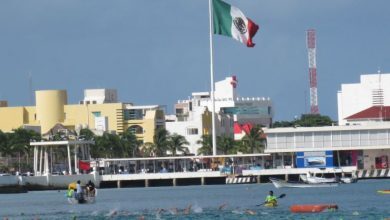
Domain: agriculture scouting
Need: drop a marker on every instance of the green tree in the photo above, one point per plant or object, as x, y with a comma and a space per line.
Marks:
160, 142
207, 143
306, 120
226, 144
86, 134
176, 144
130, 143
108, 145
254, 140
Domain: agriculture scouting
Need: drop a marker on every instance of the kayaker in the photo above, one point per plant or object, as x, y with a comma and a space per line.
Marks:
270, 200
90, 189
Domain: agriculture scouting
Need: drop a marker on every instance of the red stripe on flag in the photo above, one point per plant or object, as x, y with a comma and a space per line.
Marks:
252, 29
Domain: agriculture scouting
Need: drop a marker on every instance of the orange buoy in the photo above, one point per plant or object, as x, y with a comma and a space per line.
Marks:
312, 208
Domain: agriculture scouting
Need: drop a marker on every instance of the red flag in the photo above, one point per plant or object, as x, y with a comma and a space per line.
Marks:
84, 165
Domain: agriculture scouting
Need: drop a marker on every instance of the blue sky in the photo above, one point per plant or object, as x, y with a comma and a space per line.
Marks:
157, 51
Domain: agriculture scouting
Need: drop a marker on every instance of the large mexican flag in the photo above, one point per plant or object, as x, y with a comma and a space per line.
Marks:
230, 21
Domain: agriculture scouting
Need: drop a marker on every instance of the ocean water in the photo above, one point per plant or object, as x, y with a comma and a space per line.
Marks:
355, 201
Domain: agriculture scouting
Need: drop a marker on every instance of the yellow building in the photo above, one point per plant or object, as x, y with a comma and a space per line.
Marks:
99, 112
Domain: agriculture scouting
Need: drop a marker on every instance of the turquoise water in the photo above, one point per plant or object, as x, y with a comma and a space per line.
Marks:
355, 201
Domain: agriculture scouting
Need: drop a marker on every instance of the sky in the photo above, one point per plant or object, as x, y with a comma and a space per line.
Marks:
157, 51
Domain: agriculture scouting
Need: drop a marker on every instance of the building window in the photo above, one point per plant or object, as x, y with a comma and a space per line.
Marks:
97, 114
179, 111
133, 114
136, 129
192, 131
93, 102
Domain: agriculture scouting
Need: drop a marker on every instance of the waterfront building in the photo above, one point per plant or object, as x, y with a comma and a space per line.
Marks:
363, 146
364, 102
100, 111
192, 117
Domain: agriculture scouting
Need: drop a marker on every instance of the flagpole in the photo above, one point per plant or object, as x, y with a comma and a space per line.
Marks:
212, 80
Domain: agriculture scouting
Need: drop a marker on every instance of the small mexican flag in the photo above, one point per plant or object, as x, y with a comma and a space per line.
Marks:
230, 21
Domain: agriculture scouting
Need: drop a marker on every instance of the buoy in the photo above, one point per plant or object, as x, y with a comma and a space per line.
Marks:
386, 191
312, 208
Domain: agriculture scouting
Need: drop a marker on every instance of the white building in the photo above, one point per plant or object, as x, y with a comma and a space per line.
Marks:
192, 117
99, 96
373, 90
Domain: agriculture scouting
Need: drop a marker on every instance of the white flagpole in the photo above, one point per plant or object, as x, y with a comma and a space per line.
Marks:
212, 80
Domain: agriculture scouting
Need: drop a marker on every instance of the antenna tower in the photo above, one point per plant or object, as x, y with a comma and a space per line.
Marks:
311, 49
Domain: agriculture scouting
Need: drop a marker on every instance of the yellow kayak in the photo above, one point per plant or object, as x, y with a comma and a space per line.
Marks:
387, 191
271, 204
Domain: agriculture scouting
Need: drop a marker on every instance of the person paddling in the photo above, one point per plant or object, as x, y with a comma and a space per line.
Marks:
271, 200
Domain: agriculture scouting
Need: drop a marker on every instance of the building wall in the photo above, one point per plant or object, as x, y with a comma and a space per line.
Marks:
11, 118
84, 115
370, 155
353, 98
50, 108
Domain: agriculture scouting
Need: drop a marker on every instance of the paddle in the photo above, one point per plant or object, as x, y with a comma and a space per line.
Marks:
281, 196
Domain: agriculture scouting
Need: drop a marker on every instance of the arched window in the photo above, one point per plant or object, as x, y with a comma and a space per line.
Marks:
136, 129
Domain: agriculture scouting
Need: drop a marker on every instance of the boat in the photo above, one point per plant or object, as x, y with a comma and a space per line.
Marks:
312, 208
278, 183
309, 178
270, 204
348, 179
385, 191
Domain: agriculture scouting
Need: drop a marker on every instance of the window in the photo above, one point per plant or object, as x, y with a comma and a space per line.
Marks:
136, 129
192, 131
133, 114
97, 114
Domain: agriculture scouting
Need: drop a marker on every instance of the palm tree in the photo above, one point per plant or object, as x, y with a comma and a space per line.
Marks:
160, 141
225, 144
176, 143
254, 140
86, 134
108, 145
207, 144
5, 148
130, 143
19, 142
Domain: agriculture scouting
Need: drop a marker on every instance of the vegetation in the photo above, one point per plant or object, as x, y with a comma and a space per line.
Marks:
16, 153
306, 120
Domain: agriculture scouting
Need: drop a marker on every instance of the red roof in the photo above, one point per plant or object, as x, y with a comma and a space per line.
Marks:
244, 127
374, 112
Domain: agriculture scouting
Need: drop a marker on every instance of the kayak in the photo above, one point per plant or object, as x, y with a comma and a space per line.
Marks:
386, 191
271, 204
312, 208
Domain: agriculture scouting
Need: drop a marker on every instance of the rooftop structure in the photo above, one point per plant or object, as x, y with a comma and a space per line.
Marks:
372, 90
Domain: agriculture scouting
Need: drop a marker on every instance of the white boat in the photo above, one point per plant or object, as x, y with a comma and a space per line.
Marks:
278, 183
308, 178
348, 179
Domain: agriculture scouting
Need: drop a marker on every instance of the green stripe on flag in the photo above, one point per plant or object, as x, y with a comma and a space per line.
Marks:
222, 20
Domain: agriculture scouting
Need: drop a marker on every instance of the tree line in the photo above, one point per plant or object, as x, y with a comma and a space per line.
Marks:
17, 154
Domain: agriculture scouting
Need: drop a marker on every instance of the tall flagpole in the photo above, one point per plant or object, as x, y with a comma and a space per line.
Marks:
212, 80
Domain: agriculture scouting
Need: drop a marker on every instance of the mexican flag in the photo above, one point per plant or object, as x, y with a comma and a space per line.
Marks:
230, 21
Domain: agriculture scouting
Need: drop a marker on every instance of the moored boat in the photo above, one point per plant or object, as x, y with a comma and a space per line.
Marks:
278, 183
312, 208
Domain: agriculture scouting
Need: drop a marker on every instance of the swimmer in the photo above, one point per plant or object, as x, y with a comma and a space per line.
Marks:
250, 212
222, 206
187, 210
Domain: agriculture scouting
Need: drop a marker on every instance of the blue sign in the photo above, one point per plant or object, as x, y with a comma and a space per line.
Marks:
319, 159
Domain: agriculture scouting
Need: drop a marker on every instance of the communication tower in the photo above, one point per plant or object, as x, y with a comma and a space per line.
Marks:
311, 49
